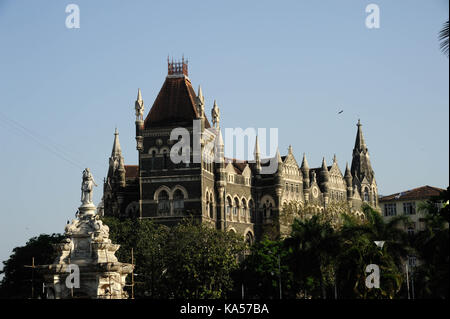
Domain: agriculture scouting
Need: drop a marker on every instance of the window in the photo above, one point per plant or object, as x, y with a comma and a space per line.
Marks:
390, 209
296, 188
236, 207
287, 187
211, 207
228, 206
244, 208
292, 188
251, 211
164, 166
412, 261
163, 203
366, 195
178, 200
409, 208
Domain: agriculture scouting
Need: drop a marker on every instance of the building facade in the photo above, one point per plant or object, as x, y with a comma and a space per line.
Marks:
228, 194
407, 203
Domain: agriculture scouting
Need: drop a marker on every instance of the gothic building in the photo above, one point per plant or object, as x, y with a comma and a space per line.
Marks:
225, 193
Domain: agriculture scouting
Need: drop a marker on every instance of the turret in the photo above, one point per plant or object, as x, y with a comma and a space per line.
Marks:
324, 178
116, 171
348, 181
305, 172
200, 103
139, 108
257, 155
361, 167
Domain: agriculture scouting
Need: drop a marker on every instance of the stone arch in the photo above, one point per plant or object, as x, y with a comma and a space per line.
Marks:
231, 229
164, 150
267, 199
236, 206
244, 206
249, 237
182, 189
160, 189
153, 151
132, 209
228, 204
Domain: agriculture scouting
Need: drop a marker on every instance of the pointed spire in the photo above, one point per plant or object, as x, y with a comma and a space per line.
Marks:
256, 151
347, 170
360, 144
278, 156
290, 149
200, 94
334, 159
305, 165
116, 150
361, 167
139, 95
324, 165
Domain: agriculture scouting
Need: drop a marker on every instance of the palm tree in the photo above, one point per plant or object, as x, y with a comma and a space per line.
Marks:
314, 245
359, 250
443, 38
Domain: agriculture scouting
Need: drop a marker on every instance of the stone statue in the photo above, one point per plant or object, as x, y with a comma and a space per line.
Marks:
87, 187
215, 114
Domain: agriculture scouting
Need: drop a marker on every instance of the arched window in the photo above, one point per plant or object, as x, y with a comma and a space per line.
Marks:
211, 207
153, 154
244, 207
249, 238
236, 207
178, 201
228, 206
163, 203
366, 194
251, 211
164, 166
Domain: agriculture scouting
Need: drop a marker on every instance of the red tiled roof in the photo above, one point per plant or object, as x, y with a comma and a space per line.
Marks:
424, 192
131, 171
174, 104
238, 165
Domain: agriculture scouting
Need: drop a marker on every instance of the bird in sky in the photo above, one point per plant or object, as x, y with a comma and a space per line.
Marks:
340, 111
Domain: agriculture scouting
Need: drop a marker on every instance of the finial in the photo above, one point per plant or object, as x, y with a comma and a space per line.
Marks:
256, 147
359, 123
290, 149
324, 164
139, 96
334, 159
279, 159
200, 93
116, 131
305, 165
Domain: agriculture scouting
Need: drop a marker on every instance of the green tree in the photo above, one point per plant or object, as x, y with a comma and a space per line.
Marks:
147, 240
314, 245
200, 261
432, 245
265, 269
357, 250
16, 282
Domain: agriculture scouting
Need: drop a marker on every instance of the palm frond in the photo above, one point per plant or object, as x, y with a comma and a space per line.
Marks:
443, 38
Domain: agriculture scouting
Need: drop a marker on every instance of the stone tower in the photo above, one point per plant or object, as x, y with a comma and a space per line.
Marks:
362, 172
86, 265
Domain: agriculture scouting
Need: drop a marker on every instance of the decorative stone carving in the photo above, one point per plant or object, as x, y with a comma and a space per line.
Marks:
87, 245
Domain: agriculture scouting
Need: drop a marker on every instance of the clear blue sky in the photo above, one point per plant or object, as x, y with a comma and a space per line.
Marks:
286, 64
